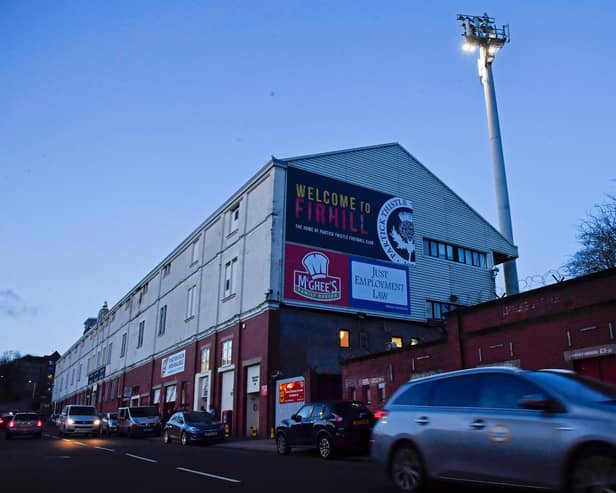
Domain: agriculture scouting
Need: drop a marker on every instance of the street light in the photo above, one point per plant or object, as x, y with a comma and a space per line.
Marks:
481, 32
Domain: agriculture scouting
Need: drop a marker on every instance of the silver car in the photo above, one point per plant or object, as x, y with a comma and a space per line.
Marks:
78, 419
548, 429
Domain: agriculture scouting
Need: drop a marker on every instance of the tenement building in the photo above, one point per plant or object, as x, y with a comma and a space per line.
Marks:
314, 260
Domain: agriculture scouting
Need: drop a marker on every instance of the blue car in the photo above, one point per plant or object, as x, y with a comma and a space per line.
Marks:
188, 427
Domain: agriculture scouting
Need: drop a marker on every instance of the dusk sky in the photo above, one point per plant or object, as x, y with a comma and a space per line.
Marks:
123, 125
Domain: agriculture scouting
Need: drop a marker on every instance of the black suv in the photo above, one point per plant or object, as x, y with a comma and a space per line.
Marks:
330, 427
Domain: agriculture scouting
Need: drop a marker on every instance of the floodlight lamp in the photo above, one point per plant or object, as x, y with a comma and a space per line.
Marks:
469, 47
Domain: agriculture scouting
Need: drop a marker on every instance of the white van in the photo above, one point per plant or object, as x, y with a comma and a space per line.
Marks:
76, 419
138, 421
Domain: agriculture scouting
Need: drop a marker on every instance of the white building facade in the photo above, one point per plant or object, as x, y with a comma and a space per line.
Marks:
313, 260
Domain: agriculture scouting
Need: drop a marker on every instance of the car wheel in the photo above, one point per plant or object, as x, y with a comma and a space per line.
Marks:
594, 470
183, 439
282, 446
166, 437
326, 447
407, 470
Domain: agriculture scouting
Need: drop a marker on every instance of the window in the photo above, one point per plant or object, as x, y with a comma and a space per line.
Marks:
183, 393
73, 376
380, 392
98, 359
366, 392
166, 269
140, 334
396, 341
79, 372
305, 411
190, 302
456, 392
234, 222
437, 310
162, 320
353, 394
205, 359
363, 340
123, 348
156, 396
505, 391
227, 348
345, 338
447, 251
109, 353
170, 393
195, 250
230, 277
127, 304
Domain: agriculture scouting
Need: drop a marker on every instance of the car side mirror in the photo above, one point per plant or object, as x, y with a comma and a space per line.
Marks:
296, 417
538, 402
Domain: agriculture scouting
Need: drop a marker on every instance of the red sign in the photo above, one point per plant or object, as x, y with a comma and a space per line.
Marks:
316, 276
291, 392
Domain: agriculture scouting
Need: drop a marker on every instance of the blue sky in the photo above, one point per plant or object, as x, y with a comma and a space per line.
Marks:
124, 124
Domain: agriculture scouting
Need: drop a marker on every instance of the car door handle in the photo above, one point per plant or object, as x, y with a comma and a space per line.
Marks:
478, 424
423, 420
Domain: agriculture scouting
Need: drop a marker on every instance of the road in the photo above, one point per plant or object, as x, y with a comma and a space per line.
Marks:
118, 464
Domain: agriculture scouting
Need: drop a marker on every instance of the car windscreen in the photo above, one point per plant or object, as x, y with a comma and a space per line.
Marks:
143, 412
113, 415
26, 417
82, 411
575, 387
350, 409
198, 418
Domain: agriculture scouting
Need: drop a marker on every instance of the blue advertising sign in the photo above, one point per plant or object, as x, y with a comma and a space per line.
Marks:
335, 215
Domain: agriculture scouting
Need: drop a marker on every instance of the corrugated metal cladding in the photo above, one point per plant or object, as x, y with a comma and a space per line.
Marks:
439, 214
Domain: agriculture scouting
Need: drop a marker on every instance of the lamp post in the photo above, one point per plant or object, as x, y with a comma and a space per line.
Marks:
481, 32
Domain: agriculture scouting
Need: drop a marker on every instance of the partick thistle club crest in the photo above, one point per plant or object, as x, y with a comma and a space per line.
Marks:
396, 230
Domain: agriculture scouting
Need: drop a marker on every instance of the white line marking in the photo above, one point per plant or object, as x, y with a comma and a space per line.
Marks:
107, 449
80, 443
208, 475
141, 458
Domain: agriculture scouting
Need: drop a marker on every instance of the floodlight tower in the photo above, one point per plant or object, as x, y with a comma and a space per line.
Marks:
481, 32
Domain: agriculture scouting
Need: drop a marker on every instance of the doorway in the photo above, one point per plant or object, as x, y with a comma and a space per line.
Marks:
602, 368
252, 413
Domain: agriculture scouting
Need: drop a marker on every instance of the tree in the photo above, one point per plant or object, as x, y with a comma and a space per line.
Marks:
597, 234
8, 356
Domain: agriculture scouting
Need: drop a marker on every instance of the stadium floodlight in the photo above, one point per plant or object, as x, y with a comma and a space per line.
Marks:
482, 32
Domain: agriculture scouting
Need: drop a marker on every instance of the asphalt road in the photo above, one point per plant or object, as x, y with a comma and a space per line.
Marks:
118, 465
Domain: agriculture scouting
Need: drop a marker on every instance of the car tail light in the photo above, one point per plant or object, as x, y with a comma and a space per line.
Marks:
1, 421
39, 423
380, 414
11, 424
337, 420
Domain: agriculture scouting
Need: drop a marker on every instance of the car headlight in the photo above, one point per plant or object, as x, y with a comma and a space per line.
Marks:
70, 421
192, 429
97, 422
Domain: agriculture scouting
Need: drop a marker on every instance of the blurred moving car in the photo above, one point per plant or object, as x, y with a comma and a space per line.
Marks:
24, 424
192, 427
53, 419
138, 421
109, 423
330, 427
550, 429
78, 419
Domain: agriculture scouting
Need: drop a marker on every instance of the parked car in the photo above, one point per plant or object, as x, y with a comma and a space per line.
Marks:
76, 419
549, 429
138, 421
193, 427
109, 423
330, 427
24, 424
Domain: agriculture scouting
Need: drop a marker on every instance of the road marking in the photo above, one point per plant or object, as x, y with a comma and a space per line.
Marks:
231, 480
141, 458
107, 449
80, 443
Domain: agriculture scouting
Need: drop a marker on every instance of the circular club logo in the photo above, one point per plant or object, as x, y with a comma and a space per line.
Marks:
396, 230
